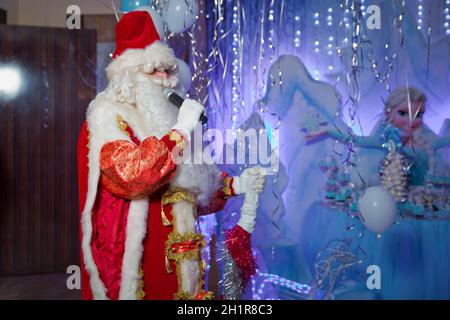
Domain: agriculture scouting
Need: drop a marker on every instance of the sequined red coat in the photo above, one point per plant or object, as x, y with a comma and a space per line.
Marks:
129, 246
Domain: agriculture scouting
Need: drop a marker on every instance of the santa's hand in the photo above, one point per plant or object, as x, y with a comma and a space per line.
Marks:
252, 179
247, 220
189, 116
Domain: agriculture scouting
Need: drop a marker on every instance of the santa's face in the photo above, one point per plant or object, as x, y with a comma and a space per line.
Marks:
163, 77
407, 118
156, 110
166, 78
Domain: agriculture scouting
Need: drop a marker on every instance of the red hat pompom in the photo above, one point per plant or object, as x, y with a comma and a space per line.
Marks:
135, 30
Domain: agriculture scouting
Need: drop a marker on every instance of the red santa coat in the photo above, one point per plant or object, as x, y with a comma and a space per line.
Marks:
129, 245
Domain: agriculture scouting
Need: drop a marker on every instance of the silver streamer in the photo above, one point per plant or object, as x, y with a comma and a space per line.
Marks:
352, 74
158, 6
198, 60
271, 35
261, 58
273, 51
339, 254
230, 283
428, 41
220, 62
331, 262
238, 100
205, 65
384, 77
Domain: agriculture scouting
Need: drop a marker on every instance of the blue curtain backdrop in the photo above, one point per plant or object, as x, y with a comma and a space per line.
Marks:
252, 36
312, 30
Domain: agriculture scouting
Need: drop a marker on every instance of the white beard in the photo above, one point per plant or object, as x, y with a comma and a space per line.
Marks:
160, 116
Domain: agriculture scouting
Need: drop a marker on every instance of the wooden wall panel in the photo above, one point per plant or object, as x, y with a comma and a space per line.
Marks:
39, 229
3, 16
104, 24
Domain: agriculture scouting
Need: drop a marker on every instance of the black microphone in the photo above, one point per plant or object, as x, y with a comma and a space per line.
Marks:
173, 97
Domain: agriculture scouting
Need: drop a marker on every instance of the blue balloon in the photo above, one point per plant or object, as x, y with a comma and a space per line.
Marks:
184, 76
130, 5
180, 15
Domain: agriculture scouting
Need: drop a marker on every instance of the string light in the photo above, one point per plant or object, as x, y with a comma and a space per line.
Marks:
420, 14
236, 67
330, 45
274, 279
316, 74
297, 38
330, 17
447, 17
298, 33
316, 46
363, 8
316, 42
316, 50
316, 19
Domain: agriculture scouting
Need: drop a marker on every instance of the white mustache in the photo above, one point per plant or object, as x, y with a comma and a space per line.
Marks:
150, 67
170, 82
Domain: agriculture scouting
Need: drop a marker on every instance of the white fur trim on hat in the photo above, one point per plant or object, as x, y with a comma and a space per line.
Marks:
155, 56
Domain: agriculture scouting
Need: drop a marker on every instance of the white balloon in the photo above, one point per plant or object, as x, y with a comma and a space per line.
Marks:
377, 208
157, 20
184, 76
179, 16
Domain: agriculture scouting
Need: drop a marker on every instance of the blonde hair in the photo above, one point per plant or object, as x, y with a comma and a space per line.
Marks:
400, 95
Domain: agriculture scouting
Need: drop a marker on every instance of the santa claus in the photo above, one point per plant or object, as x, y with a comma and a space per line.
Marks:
138, 206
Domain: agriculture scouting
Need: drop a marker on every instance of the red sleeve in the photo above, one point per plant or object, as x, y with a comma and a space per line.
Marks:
219, 199
131, 171
238, 243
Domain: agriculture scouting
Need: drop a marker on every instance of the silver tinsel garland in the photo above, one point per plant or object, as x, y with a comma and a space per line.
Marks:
230, 284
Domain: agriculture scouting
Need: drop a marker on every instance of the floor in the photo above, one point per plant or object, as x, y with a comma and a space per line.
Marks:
37, 287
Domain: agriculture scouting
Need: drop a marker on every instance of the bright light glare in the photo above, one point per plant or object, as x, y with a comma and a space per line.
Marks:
10, 81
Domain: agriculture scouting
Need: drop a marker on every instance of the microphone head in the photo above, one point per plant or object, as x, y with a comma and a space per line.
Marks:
167, 92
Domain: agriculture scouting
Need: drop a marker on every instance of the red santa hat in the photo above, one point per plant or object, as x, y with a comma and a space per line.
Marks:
138, 44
